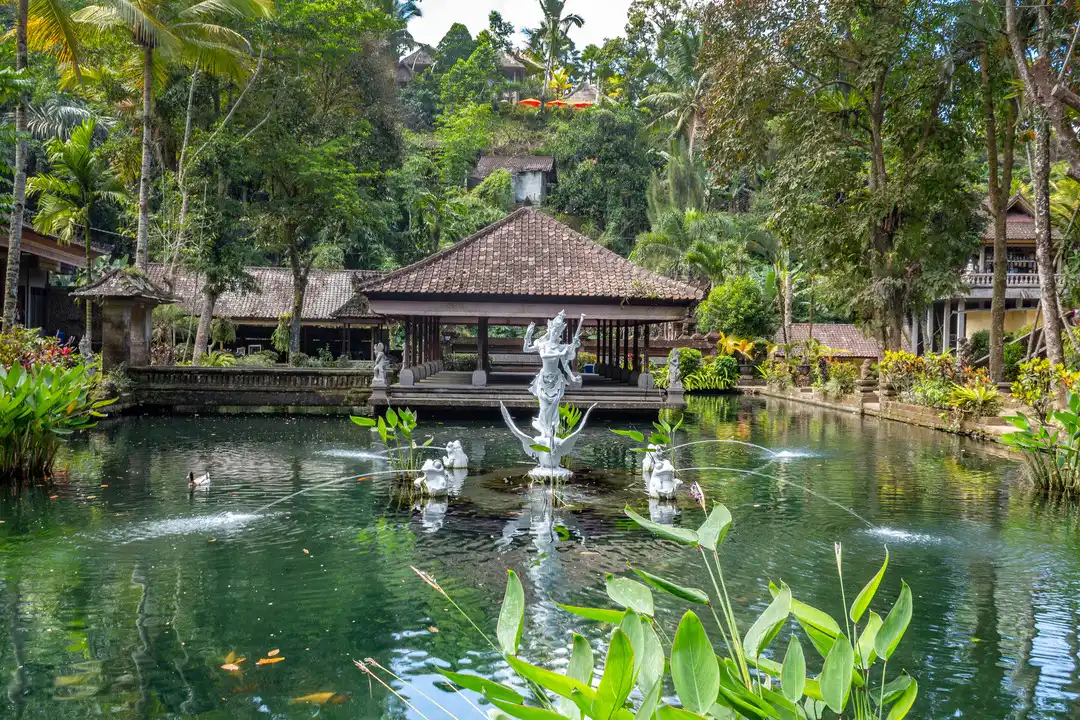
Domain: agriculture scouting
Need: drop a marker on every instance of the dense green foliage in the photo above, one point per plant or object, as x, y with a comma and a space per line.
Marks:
737, 307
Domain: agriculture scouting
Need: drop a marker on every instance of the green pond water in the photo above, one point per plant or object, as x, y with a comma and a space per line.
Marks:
121, 595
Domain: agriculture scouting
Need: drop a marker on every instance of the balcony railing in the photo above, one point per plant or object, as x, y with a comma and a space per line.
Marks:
1012, 280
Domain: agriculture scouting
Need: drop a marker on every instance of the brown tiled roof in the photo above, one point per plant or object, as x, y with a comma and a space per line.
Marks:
1019, 220
584, 93
419, 58
528, 254
510, 62
513, 163
327, 291
838, 336
126, 282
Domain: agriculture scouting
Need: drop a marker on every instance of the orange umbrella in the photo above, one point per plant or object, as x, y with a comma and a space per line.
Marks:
557, 103
578, 105
530, 102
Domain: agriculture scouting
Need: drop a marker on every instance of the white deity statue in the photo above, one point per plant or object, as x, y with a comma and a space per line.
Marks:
433, 482
674, 372
381, 365
662, 483
455, 457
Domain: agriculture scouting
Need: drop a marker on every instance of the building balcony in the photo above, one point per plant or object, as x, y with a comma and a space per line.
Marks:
1012, 280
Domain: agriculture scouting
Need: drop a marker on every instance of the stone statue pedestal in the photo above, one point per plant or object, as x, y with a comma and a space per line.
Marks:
479, 378
645, 381
378, 392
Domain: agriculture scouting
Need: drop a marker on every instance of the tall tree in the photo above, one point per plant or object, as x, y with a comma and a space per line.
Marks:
188, 30
45, 25
680, 96
79, 180
555, 29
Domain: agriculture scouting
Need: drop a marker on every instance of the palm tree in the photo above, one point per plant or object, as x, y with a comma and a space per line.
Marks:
554, 29
683, 84
402, 11
42, 25
186, 30
80, 179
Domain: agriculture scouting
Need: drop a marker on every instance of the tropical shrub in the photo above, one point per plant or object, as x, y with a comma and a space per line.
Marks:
1036, 385
461, 362
1050, 447
27, 347
737, 307
979, 345
1014, 354
218, 358
731, 679
263, 358
690, 360
39, 406
718, 372
660, 375
929, 391
840, 378
396, 430
978, 398
901, 369
777, 374
585, 358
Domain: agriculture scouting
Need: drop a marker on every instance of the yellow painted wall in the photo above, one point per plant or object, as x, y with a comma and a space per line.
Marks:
1014, 320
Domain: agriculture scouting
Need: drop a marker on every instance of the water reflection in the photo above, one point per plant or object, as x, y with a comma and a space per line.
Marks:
122, 596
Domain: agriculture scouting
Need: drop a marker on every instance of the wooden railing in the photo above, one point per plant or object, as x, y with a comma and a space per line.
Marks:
202, 388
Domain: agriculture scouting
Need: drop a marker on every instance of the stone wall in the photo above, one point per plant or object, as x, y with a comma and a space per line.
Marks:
241, 389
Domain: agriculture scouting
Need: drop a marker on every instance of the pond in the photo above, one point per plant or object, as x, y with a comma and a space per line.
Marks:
121, 595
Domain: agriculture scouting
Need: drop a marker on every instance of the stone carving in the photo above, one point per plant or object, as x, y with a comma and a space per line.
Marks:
548, 388
455, 457
433, 482
652, 458
674, 371
380, 367
662, 483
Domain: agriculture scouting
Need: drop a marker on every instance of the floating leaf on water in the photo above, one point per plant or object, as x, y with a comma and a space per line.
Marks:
432, 628
269, 660
273, 653
313, 699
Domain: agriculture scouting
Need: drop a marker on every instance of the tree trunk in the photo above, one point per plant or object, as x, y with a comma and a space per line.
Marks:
142, 235
999, 187
300, 276
18, 189
86, 345
788, 291
206, 321
810, 330
1044, 246
692, 133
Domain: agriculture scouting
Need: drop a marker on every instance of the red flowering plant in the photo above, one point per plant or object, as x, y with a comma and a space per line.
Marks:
25, 347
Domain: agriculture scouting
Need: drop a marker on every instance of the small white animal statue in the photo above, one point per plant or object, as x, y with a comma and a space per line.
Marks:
433, 483
652, 458
662, 483
455, 457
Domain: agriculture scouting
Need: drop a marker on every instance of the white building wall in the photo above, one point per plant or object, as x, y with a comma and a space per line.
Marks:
529, 186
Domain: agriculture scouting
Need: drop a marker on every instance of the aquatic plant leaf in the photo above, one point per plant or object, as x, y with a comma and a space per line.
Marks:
540, 448
793, 673
512, 615
598, 614
526, 712
892, 690
896, 623
630, 594
865, 655
904, 703
631, 625
553, 681
862, 600
483, 686
693, 665
683, 593
768, 623
618, 678
580, 668
679, 535
712, 531
391, 417
667, 712
313, 699
836, 675
632, 434
659, 439
784, 708
648, 705
231, 657
363, 421
733, 693
652, 661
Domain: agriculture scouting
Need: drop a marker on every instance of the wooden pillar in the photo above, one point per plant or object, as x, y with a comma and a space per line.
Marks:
945, 335
624, 361
928, 343
915, 323
636, 364
610, 349
482, 360
406, 347
961, 324
645, 350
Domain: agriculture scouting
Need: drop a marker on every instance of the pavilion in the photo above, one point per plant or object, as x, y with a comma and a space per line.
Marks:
526, 268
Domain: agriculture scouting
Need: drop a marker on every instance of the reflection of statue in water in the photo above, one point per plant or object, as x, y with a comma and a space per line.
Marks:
548, 386
381, 365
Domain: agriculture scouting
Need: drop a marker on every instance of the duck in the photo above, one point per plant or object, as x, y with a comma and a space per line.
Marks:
202, 481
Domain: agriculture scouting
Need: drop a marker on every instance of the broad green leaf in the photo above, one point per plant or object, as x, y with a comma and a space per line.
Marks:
786, 709
904, 703
648, 705
652, 661
630, 594
553, 681
391, 417
526, 712
679, 535
810, 615
667, 712
893, 689
693, 665
540, 448
581, 669
363, 421
631, 625
822, 642
632, 434
793, 674
864, 647
512, 615
862, 600
896, 623
768, 623
836, 675
712, 531
735, 695
617, 680
606, 615
483, 686
683, 593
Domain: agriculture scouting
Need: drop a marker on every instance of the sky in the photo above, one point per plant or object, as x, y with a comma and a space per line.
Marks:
603, 18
